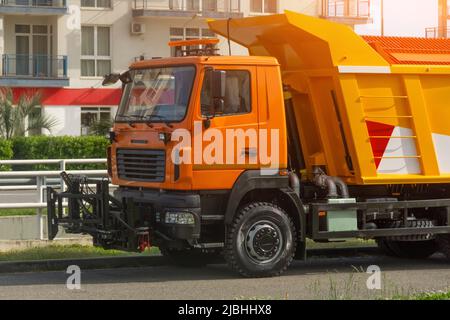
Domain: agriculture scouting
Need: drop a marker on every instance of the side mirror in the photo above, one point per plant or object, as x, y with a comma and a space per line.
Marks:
110, 79
218, 87
113, 78
126, 77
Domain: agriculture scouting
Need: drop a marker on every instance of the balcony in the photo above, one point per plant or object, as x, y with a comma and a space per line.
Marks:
20, 70
437, 33
187, 8
33, 7
350, 12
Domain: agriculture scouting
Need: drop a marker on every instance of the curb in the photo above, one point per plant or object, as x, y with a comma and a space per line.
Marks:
146, 261
84, 263
8, 245
343, 252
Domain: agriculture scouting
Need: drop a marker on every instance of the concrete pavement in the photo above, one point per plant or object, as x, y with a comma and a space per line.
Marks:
17, 196
318, 278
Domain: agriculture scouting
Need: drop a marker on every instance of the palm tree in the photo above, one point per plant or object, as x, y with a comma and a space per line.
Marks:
25, 116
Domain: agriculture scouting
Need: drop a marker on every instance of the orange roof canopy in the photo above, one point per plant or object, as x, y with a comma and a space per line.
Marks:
407, 50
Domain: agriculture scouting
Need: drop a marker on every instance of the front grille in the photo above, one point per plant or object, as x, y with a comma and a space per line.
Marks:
141, 164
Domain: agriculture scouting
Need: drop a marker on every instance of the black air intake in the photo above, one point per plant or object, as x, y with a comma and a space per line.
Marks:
141, 164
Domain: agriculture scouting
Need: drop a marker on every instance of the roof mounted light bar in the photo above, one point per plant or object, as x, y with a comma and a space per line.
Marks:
195, 47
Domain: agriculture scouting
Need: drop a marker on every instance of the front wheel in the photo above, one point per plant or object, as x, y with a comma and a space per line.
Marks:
261, 241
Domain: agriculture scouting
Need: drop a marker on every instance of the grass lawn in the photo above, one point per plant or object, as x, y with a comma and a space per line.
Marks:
65, 252
19, 212
427, 296
433, 296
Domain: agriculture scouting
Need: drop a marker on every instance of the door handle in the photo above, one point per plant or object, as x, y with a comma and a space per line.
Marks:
250, 152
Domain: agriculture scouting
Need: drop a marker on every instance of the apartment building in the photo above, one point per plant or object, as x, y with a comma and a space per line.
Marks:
63, 47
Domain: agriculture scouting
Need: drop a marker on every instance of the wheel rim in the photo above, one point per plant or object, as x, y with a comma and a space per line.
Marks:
263, 242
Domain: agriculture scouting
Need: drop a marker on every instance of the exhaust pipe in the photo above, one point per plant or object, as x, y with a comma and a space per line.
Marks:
336, 187
342, 186
325, 182
294, 183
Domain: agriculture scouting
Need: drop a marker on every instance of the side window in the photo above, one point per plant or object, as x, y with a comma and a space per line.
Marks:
237, 93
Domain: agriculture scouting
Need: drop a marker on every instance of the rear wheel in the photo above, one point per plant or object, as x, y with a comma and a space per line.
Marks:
261, 241
413, 249
444, 245
384, 247
419, 247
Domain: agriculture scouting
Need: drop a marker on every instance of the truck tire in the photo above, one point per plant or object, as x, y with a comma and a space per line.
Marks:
444, 245
261, 241
384, 247
419, 249
412, 249
189, 258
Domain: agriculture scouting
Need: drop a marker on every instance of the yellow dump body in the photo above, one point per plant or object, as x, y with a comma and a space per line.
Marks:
394, 106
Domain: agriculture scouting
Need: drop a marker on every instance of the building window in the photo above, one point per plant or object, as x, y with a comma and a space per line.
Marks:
95, 51
96, 4
263, 6
177, 34
34, 51
93, 116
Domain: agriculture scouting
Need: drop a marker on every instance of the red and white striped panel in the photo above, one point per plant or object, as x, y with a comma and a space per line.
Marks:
442, 148
396, 154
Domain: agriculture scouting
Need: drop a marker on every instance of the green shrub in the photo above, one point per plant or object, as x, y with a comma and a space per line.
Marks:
46, 147
101, 128
6, 153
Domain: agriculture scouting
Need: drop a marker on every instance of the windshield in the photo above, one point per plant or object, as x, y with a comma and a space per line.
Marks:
157, 95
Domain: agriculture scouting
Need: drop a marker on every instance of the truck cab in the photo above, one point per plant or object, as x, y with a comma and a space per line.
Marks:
186, 131
175, 107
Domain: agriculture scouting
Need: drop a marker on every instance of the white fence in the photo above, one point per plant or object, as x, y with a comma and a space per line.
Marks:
41, 182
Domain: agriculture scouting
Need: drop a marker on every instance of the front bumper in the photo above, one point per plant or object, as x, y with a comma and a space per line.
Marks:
157, 203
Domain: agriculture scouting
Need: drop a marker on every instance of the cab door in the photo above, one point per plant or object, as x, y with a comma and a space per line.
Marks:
230, 136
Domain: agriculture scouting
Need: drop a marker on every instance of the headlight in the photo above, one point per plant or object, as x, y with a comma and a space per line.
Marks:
179, 218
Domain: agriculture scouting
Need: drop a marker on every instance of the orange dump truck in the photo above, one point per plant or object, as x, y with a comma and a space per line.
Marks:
318, 134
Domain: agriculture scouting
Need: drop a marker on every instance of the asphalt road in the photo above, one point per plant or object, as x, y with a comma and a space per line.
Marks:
14, 196
318, 278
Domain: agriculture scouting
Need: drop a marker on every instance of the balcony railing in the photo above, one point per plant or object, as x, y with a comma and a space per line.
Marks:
34, 3
190, 6
435, 32
34, 66
346, 8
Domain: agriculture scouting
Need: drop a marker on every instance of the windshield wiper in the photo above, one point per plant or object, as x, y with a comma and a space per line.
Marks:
151, 116
147, 119
156, 116
130, 118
